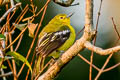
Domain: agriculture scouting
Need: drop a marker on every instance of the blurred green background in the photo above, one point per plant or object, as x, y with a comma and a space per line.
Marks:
77, 69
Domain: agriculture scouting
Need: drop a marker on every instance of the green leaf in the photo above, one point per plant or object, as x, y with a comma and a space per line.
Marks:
19, 57
4, 67
2, 37
20, 26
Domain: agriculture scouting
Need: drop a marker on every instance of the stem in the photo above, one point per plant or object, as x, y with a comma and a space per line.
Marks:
33, 40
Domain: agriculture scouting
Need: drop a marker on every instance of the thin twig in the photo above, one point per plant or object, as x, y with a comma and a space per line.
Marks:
48, 1
31, 60
10, 66
31, 65
36, 13
115, 28
94, 41
12, 3
51, 61
16, 39
80, 31
110, 68
3, 31
101, 70
91, 62
13, 61
88, 62
98, 15
31, 46
101, 51
10, 40
8, 21
6, 74
114, 25
2, 72
2, 56
8, 11
20, 17
18, 44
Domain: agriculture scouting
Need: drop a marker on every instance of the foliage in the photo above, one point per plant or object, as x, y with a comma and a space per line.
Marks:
17, 56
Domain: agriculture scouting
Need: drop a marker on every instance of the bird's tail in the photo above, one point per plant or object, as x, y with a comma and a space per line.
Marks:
38, 66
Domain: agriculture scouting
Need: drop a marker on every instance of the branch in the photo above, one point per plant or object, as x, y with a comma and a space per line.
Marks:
12, 3
110, 68
2, 72
105, 64
101, 51
94, 42
2, 58
88, 62
8, 11
31, 46
3, 2
65, 58
15, 39
73, 50
6, 74
79, 45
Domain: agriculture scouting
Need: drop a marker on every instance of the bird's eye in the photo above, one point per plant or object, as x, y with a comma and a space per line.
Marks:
61, 17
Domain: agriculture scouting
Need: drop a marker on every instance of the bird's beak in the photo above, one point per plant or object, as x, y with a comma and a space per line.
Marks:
69, 15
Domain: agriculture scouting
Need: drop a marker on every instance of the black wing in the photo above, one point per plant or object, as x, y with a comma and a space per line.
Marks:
51, 41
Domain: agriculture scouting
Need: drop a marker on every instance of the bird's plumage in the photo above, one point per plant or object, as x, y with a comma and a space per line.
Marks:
57, 36
51, 41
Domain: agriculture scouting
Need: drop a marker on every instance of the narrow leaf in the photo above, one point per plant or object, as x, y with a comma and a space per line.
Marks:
4, 67
2, 37
19, 57
20, 26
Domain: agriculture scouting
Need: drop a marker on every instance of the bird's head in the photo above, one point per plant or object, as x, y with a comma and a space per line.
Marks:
61, 19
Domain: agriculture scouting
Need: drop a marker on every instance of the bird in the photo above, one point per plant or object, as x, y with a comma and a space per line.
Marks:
56, 37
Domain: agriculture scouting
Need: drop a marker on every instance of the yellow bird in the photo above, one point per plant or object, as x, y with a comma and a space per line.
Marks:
58, 35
